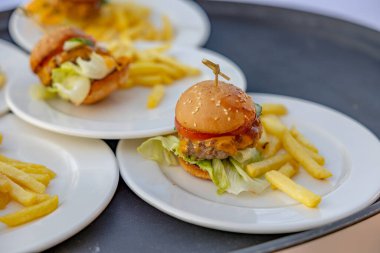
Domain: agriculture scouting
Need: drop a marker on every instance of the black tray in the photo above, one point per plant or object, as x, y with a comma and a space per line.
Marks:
281, 51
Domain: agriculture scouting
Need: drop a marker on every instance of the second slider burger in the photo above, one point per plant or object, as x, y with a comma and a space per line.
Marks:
218, 127
72, 65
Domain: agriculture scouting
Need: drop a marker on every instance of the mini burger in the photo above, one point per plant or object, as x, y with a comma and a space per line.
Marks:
214, 122
218, 127
70, 64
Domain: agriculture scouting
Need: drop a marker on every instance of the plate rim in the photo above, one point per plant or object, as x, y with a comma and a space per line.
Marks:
11, 47
201, 221
202, 15
87, 218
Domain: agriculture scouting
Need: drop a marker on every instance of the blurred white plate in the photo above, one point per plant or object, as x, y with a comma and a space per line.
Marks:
87, 177
190, 22
341, 140
124, 114
9, 4
10, 56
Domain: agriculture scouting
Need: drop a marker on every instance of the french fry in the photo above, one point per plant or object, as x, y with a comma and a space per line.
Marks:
30, 213
41, 197
19, 194
316, 157
148, 68
257, 169
272, 147
167, 29
273, 125
5, 186
287, 170
3, 80
148, 80
300, 155
155, 96
293, 190
42, 178
1, 138
4, 200
22, 178
277, 109
27, 167
302, 139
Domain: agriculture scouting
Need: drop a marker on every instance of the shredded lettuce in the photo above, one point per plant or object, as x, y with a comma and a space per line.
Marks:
228, 175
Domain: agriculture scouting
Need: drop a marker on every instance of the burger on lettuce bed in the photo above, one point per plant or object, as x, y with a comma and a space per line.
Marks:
218, 126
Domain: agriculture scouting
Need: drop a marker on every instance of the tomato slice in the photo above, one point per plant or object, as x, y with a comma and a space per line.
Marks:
194, 135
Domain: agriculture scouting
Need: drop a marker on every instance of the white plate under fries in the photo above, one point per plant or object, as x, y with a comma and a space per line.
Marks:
124, 114
10, 56
190, 22
87, 177
351, 153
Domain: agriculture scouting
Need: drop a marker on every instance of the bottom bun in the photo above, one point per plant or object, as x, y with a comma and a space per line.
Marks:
194, 170
100, 89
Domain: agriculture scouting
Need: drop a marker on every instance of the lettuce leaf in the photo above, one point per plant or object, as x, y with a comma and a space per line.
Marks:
248, 155
244, 182
69, 84
160, 149
228, 175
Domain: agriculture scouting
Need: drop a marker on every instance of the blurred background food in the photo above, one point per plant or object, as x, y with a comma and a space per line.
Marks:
104, 20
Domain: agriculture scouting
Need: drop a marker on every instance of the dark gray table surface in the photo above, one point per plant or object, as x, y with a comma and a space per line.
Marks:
281, 51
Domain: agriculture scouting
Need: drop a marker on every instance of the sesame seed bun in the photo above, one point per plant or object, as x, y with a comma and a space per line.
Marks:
194, 170
207, 108
52, 43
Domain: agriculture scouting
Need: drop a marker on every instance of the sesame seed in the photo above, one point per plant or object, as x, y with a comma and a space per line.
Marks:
212, 99
216, 118
229, 119
195, 124
218, 103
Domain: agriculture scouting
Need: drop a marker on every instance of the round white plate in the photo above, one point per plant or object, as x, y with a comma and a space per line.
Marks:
87, 177
124, 114
351, 153
10, 56
190, 22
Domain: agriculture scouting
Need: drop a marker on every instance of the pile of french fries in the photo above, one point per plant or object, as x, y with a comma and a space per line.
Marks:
126, 21
151, 68
26, 184
284, 150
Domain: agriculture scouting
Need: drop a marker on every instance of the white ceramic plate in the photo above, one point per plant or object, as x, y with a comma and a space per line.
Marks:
87, 177
189, 20
10, 56
124, 113
351, 153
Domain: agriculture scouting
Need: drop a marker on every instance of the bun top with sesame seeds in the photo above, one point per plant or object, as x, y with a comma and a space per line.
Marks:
214, 109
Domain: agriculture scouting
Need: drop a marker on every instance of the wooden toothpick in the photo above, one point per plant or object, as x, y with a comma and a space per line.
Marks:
216, 69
